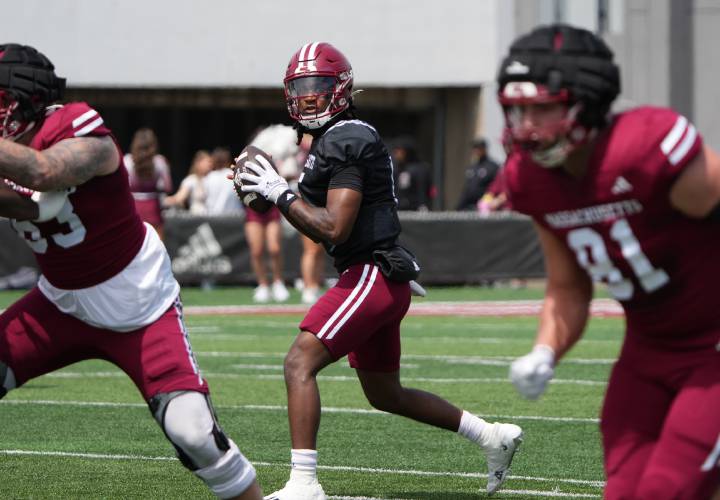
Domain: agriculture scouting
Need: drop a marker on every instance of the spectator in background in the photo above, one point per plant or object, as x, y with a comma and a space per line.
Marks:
312, 262
220, 195
478, 176
495, 198
412, 177
263, 231
191, 195
149, 177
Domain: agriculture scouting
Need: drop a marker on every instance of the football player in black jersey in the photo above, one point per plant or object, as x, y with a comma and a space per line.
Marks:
347, 202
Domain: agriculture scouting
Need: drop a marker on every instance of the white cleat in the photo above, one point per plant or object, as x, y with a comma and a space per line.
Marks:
279, 292
295, 490
310, 295
261, 294
504, 441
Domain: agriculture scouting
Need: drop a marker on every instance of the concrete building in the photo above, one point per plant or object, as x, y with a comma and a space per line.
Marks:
209, 73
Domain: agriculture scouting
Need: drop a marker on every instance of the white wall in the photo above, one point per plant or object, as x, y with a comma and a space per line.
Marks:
247, 43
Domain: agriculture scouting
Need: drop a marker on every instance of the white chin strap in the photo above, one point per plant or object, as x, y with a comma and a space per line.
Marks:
554, 156
315, 123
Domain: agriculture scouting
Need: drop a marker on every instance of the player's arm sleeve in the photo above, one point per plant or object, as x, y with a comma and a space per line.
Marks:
680, 165
349, 149
696, 192
670, 143
347, 176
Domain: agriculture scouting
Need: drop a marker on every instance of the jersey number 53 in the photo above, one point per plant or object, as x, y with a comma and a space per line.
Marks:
73, 232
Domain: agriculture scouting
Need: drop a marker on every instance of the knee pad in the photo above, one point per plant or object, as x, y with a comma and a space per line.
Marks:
188, 421
229, 476
7, 379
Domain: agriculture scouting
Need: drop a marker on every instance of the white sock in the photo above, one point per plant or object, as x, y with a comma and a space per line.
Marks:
304, 466
473, 428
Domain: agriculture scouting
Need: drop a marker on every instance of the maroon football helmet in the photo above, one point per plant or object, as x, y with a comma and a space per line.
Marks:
318, 84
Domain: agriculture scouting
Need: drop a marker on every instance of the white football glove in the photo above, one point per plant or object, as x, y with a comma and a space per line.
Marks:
531, 373
266, 181
49, 204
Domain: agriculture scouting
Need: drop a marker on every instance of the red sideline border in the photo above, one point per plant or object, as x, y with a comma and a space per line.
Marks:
603, 308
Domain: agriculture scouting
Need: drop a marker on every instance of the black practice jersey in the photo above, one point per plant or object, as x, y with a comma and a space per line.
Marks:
351, 154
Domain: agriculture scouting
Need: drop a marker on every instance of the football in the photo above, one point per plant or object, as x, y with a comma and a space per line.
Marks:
251, 200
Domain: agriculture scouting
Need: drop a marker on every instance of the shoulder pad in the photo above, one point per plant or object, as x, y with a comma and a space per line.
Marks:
350, 141
75, 119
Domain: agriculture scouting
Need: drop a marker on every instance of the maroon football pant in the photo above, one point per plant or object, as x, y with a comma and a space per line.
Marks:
36, 338
360, 317
661, 424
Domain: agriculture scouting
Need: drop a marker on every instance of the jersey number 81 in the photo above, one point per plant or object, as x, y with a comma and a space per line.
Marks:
588, 242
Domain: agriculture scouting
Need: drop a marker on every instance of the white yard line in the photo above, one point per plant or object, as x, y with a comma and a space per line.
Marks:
326, 409
328, 378
450, 358
344, 468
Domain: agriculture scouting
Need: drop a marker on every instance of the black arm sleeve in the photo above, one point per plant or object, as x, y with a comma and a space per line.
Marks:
350, 177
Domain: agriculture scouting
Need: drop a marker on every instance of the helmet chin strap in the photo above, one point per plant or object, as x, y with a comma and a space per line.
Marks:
555, 155
27, 129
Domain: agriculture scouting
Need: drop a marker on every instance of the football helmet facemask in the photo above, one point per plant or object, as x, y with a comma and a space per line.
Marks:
556, 64
28, 85
318, 84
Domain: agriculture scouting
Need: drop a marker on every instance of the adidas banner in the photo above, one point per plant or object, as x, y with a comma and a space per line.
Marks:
451, 247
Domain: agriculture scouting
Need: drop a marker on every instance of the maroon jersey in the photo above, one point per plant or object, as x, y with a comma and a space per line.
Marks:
661, 265
97, 232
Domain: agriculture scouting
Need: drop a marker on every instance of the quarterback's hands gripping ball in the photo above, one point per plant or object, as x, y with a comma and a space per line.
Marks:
256, 179
531, 373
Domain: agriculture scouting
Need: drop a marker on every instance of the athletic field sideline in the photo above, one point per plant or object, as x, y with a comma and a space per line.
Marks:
83, 432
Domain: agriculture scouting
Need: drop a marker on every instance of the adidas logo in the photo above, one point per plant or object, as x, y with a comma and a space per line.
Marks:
621, 186
202, 254
289, 197
517, 68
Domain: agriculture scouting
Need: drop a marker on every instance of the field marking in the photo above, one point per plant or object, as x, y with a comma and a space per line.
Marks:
279, 367
598, 308
458, 359
335, 497
335, 468
203, 328
602, 308
327, 378
325, 409
550, 494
